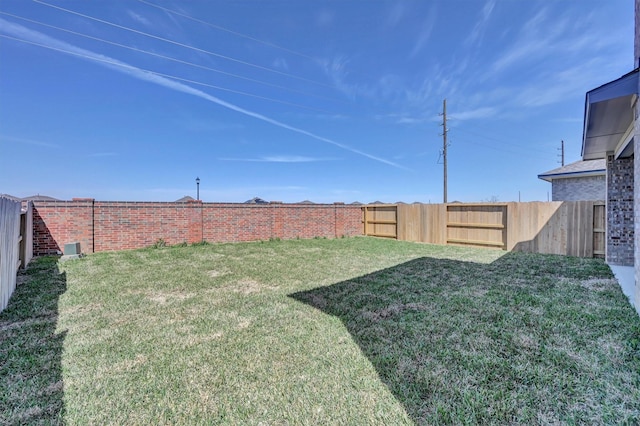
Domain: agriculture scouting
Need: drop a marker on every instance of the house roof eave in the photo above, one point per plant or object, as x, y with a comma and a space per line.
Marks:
608, 114
551, 177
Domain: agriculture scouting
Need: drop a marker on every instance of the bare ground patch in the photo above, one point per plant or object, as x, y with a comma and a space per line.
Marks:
214, 273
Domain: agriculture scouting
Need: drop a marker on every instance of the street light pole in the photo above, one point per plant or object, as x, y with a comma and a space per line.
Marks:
198, 188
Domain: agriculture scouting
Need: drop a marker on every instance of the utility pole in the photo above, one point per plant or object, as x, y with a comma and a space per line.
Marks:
562, 152
444, 147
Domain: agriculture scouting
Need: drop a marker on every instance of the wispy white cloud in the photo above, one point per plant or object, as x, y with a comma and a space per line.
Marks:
34, 37
139, 18
415, 120
479, 29
395, 14
336, 69
324, 18
425, 32
553, 87
474, 114
280, 63
533, 40
546, 35
386, 89
280, 159
11, 139
568, 120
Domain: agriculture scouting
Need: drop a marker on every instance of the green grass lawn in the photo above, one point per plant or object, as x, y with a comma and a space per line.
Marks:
347, 331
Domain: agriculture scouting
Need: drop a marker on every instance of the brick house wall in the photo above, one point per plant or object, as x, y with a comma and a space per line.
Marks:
620, 211
103, 226
588, 188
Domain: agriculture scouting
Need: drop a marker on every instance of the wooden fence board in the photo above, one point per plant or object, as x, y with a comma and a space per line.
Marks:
27, 234
9, 248
599, 230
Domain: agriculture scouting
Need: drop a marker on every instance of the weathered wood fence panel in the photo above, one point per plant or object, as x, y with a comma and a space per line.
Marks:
9, 248
574, 228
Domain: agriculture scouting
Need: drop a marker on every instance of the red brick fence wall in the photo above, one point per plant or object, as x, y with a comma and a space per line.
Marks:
107, 225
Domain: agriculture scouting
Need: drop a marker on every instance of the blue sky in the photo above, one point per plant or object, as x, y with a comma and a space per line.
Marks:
299, 100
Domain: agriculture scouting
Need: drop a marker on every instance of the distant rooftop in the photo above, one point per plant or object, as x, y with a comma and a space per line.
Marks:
256, 200
185, 199
39, 197
576, 169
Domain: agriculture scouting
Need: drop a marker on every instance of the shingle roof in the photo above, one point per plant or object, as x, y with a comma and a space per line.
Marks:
576, 169
256, 200
185, 199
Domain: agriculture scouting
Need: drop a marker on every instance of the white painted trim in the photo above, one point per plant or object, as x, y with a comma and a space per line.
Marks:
625, 140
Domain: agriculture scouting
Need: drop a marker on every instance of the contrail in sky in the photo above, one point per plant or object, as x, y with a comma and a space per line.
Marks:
23, 34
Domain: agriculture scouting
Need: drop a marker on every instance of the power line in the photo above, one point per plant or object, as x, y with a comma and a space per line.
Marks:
528, 148
171, 58
502, 150
218, 55
239, 34
119, 64
145, 75
236, 33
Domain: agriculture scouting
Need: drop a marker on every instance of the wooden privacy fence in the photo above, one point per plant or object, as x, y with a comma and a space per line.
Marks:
380, 220
16, 244
574, 228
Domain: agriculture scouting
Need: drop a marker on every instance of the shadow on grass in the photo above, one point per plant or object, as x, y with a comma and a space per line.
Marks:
526, 339
31, 385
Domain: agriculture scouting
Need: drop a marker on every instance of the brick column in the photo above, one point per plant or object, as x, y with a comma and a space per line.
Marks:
194, 217
84, 234
278, 222
339, 219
